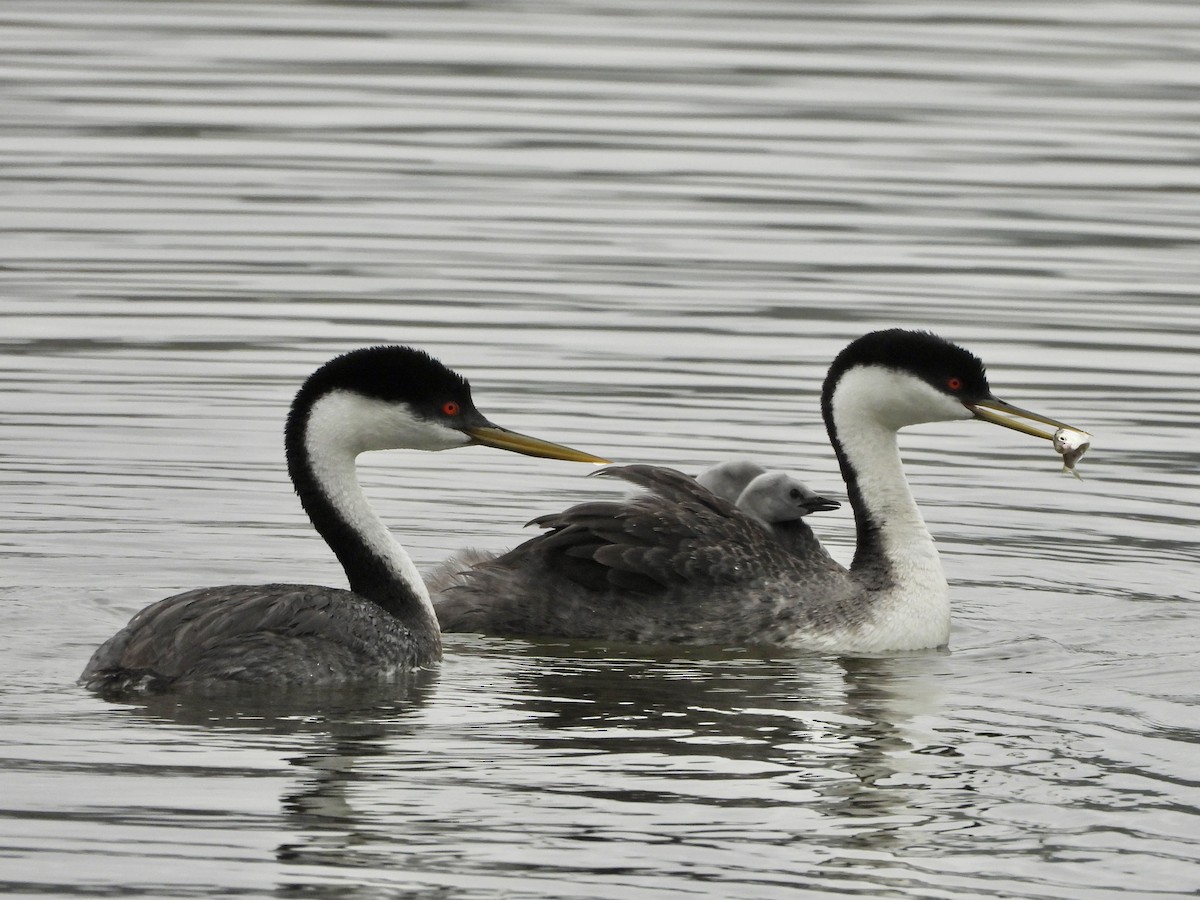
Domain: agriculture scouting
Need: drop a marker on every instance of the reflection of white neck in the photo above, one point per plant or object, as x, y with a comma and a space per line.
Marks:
869, 405
340, 426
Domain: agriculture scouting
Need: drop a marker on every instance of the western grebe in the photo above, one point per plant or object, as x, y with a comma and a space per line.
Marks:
375, 398
680, 565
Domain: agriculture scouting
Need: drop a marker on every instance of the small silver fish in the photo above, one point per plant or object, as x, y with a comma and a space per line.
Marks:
1072, 445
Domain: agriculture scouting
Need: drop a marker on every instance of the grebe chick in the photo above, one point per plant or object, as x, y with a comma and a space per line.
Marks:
781, 502
729, 478
776, 497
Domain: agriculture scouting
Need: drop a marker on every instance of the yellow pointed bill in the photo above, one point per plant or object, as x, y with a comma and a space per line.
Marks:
503, 439
998, 412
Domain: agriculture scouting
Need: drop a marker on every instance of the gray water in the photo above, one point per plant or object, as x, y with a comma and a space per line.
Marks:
644, 229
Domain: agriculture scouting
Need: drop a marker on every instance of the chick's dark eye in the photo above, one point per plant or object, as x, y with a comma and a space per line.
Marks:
794, 493
451, 408
954, 383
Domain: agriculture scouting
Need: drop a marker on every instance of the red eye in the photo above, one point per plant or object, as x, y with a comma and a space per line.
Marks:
955, 384
451, 408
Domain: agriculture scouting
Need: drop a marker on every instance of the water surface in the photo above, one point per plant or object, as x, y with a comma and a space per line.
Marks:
643, 229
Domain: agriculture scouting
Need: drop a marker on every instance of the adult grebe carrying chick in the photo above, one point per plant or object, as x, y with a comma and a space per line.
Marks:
678, 564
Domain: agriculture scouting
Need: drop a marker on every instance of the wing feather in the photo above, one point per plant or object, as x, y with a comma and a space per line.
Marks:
676, 534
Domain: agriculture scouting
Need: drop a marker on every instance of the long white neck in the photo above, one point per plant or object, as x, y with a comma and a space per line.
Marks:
338, 478
327, 480
896, 558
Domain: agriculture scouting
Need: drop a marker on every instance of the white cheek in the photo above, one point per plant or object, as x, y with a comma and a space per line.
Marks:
892, 399
359, 424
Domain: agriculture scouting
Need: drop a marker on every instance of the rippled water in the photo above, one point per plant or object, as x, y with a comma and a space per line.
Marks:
643, 229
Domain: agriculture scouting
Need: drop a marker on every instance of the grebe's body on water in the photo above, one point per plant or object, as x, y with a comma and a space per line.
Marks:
376, 398
678, 564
